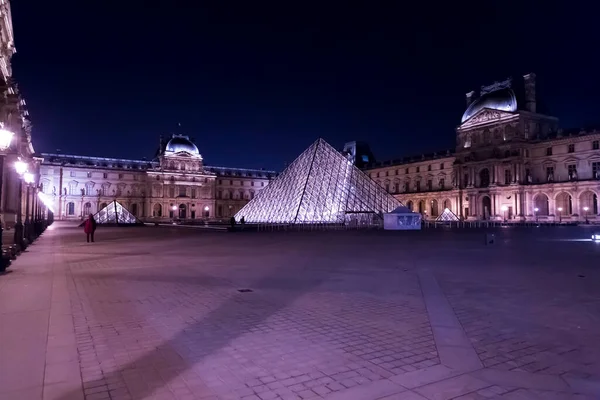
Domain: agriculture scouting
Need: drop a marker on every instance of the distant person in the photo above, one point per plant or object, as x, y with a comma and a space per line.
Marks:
243, 222
232, 222
89, 227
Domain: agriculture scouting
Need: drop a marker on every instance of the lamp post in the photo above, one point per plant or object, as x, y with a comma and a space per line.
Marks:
174, 208
28, 178
21, 168
535, 211
559, 215
586, 208
504, 209
5, 139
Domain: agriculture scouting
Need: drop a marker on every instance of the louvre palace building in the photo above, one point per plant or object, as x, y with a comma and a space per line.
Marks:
175, 185
511, 162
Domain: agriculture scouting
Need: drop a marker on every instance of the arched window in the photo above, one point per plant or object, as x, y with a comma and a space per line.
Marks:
421, 206
182, 211
409, 205
484, 178
540, 202
157, 210
134, 209
87, 209
447, 204
564, 204
103, 205
588, 200
71, 208
434, 208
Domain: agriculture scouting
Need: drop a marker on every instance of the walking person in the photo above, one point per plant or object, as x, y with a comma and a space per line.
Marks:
89, 227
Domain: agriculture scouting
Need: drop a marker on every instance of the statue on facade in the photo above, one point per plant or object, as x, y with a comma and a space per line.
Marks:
550, 177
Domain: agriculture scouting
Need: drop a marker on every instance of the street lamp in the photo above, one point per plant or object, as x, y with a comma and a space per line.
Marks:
559, 215
504, 209
535, 211
21, 168
586, 208
28, 178
5, 141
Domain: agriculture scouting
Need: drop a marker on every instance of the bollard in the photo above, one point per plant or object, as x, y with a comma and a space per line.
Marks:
490, 238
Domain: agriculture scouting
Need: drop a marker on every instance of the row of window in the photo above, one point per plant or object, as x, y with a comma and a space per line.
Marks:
417, 186
242, 183
397, 172
571, 147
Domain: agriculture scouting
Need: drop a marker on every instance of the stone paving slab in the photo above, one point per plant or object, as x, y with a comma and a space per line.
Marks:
156, 313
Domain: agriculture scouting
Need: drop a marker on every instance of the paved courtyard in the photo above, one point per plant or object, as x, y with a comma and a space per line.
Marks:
183, 313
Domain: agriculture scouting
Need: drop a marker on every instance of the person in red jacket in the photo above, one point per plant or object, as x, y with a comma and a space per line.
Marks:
89, 227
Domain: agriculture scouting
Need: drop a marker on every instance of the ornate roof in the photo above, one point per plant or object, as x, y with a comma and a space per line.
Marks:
501, 100
181, 143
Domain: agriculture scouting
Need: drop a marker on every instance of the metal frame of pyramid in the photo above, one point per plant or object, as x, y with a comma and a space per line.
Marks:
447, 216
320, 186
115, 213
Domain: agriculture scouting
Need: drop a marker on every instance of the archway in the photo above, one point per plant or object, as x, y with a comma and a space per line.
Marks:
134, 209
422, 207
588, 199
434, 208
409, 205
486, 207
87, 209
564, 204
540, 202
447, 204
484, 178
157, 210
182, 211
71, 208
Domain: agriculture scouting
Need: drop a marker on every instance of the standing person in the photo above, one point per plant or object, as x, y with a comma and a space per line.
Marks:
232, 222
243, 222
89, 227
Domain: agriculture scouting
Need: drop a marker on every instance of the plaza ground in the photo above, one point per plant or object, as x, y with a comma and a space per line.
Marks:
157, 313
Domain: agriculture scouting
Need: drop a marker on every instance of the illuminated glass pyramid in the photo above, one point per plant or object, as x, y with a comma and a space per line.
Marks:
320, 186
115, 213
447, 216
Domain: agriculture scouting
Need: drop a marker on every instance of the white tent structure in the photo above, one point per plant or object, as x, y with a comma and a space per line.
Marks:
401, 219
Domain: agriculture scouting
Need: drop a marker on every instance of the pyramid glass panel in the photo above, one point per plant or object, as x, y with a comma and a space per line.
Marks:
115, 213
320, 186
447, 216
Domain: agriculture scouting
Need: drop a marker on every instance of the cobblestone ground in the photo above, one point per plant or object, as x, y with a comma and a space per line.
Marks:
178, 313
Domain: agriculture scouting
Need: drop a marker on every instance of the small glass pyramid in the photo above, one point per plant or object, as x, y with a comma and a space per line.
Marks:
320, 186
115, 213
447, 216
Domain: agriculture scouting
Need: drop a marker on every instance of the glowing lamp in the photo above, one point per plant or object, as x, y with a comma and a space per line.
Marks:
536, 209
174, 208
20, 167
586, 208
5, 138
559, 208
504, 208
206, 208
28, 177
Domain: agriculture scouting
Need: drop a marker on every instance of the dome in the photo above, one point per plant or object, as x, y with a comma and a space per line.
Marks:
502, 100
181, 143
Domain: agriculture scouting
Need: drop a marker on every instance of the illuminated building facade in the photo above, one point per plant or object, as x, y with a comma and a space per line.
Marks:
511, 162
176, 185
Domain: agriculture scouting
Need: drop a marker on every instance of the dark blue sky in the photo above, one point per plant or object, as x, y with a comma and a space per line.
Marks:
256, 85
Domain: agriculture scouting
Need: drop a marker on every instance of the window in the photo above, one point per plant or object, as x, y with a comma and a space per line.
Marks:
120, 176
442, 166
429, 167
252, 183
87, 209
72, 174
397, 188
418, 185
219, 211
406, 187
251, 195
387, 173
418, 169
262, 184
550, 174
387, 187
231, 182
135, 177
429, 184
220, 181
105, 175
193, 193
182, 191
572, 171
71, 208
596, 170
466, 180
571, 148
172, 191
596, 145
397, 171
549, 151
507, 176
406, 172
442, 182
89, 174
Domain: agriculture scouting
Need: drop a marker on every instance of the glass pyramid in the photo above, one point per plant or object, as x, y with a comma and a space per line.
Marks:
115, 213
320, 186
446, 216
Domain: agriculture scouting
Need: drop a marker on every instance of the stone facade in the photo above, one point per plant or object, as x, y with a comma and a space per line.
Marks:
510, 163
176, 185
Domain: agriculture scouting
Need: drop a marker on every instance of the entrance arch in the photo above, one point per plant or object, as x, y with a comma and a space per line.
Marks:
87, 209
447, 204
540, 201
134, 209
434, 208
182, 211
157, 211
486, 207
422, 207
588, 199
564, 204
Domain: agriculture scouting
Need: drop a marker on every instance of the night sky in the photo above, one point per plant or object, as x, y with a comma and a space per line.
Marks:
254, 86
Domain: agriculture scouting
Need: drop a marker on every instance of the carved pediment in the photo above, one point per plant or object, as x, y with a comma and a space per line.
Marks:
486, 115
